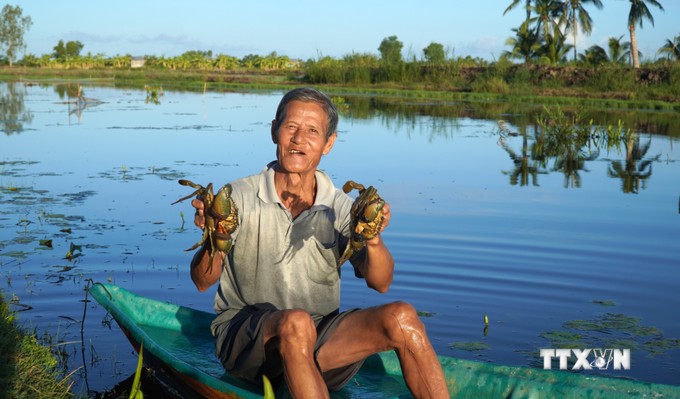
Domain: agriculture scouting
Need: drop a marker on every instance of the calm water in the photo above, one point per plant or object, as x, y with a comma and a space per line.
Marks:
565, 258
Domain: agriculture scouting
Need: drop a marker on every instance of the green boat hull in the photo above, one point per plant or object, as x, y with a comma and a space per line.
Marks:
178, 340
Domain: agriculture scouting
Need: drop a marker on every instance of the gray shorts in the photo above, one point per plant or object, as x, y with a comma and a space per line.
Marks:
240, 348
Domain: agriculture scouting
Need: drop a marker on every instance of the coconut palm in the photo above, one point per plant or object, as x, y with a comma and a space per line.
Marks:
548, 13
524, 44
618, 52
576, 17
638, 13
594, 55
554, 49
671, 48
527, 7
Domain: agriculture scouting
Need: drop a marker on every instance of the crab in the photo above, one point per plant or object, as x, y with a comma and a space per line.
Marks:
366, 215
221, 217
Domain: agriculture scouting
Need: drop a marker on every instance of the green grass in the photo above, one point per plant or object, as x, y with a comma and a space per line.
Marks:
655, 88
27, 368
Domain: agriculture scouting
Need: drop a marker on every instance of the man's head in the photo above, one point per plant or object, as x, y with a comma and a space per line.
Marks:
304, 130
307, 95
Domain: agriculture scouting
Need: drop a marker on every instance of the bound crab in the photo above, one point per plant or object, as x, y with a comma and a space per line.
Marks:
367, 218
219, 210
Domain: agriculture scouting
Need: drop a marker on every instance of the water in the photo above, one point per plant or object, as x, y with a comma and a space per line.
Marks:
583, 254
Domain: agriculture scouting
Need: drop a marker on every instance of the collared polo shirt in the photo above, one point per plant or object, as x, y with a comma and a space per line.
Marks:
281, 262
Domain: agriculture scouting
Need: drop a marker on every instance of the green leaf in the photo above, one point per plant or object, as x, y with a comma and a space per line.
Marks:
268, 390
136, 390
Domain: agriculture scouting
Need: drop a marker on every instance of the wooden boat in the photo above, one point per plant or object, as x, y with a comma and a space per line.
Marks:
177, 340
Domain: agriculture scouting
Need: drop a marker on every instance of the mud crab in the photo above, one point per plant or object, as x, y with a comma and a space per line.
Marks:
367, 217
220, 215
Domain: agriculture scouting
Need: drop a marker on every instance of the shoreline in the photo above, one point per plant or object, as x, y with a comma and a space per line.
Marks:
650, 97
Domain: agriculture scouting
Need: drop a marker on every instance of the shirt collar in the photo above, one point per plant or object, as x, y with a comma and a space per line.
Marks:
325, 190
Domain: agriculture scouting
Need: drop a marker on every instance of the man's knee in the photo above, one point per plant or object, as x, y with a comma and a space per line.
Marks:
296, 326
403, 326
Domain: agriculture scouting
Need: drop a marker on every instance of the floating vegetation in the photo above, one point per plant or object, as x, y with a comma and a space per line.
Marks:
470, 346
15, 254
564, 339
611, 330
71, 254
137, 173
63, 269
604, 302
46, 243
24, 222
421, 313
79, 197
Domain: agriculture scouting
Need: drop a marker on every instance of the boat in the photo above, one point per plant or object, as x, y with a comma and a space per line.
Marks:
177, 341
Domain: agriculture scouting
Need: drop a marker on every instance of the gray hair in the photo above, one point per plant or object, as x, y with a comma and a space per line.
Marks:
308, 95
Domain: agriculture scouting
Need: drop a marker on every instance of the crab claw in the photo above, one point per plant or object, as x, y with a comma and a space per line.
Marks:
351, 185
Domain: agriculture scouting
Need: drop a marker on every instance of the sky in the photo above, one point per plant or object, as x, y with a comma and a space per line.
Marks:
309, 29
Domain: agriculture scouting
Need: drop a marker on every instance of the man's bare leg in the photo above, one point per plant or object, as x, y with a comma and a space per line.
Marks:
296, 335
395, 326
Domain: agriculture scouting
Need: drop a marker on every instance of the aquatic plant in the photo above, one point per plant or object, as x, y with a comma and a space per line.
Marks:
470, 346
153, 94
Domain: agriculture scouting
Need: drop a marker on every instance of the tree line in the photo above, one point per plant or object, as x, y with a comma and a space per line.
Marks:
543, 38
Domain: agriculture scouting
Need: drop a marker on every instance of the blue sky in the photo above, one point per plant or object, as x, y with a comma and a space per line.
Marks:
308, 28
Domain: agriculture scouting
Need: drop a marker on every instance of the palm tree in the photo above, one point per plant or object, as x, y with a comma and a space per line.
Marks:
524, 44
618, 52
554, 49
575, 16
594, 55
671, 48
638, 13
548, 12
527, 7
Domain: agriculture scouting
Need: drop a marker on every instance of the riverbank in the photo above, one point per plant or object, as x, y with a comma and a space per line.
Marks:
28, 369
620, 88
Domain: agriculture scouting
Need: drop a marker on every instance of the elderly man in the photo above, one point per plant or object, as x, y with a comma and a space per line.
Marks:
278, 295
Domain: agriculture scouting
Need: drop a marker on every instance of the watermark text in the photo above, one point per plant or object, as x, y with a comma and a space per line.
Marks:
587, 359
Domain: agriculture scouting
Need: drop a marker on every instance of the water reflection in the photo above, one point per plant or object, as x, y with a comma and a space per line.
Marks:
569, 155
568, 151
526, 165
76, 100
636, 168
518, 112
13, 114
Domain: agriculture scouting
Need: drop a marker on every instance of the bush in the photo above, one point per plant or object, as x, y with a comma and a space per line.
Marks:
491, 85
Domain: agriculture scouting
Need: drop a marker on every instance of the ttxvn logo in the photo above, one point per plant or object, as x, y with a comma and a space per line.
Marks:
588, 359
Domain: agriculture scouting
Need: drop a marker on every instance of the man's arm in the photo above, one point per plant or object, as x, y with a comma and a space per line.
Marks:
377, 267
201, 274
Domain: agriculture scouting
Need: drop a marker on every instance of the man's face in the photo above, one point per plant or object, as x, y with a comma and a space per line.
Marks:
302, 138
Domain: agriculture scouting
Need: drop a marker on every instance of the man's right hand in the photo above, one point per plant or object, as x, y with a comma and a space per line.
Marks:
199, 216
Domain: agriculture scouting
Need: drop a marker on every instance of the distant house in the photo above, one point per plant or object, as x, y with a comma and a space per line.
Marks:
137, 62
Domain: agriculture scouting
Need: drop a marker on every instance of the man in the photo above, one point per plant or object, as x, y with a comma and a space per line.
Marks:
279, 286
